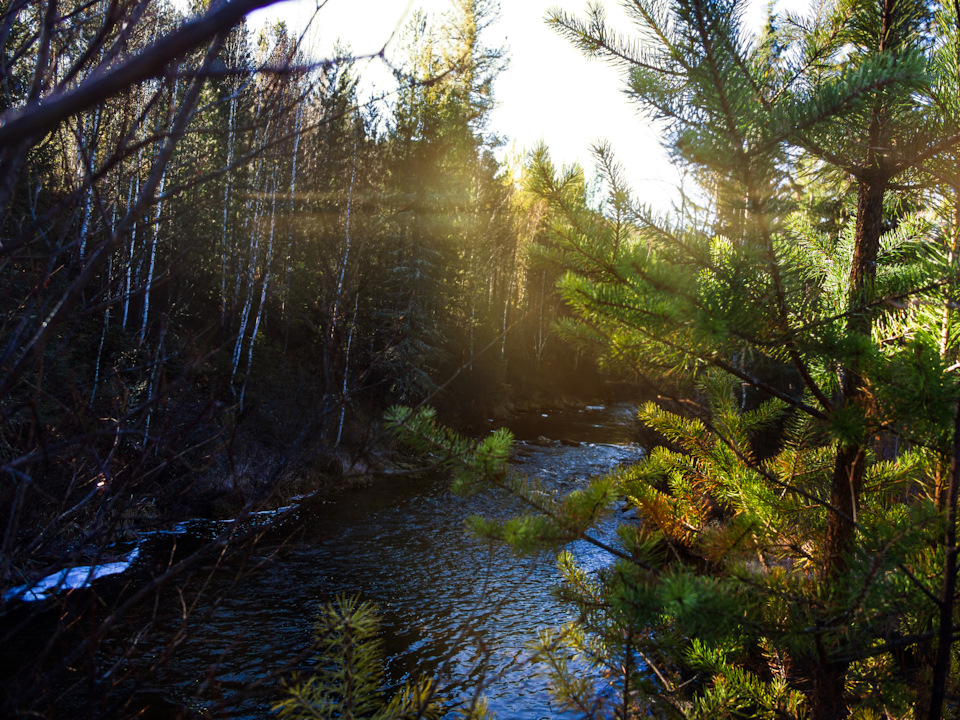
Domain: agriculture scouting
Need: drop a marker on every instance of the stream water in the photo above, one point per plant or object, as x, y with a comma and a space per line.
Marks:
444, 596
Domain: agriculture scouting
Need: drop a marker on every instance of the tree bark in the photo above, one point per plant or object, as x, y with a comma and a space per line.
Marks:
849, 466
827, 701
829, 678
941, 667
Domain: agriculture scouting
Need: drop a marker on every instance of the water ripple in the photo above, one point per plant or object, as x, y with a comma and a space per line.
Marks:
445, 597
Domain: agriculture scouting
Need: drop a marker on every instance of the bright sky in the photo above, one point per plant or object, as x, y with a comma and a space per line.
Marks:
549, 91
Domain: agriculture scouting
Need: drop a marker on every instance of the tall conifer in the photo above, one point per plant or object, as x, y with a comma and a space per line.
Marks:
764, 582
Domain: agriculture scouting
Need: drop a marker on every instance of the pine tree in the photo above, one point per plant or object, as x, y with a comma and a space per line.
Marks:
348, 679
757, 582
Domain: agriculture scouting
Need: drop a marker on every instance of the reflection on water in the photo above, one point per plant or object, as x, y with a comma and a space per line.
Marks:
443, 595
595, 423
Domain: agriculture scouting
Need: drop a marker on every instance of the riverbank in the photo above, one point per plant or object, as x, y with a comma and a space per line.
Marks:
452, 606
396, 537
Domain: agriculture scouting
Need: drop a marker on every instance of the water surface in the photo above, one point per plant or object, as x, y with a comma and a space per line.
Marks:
448, 601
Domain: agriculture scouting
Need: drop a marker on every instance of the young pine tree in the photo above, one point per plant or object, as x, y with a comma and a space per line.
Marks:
803, 580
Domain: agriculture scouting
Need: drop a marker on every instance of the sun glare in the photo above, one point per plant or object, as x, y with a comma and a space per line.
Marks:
549, 92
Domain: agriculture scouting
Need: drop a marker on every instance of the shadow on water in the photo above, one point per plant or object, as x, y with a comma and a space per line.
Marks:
402, 544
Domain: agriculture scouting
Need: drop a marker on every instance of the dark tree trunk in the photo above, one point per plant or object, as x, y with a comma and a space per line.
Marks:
866, 244
849, 467
828, 701
941, 668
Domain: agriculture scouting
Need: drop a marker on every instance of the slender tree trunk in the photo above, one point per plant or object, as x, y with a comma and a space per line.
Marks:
159, 361
941, 667
828, 701
251, 278
156, 237
346, 369
250, 221
87, 162
338, 298
506, 313
331, 346
473, 325
226, 216
132, 248
251, 283
541, 341
263, 292
103, 335
286, 254
153, 262
951, 261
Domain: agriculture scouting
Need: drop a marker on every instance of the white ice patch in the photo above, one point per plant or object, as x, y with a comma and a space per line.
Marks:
69, 579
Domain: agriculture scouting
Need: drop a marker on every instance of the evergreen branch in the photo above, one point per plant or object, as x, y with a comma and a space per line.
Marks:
939, 177
834, 99
833, 158
902, 163
719, 82
814, 499
770, 477
655, 25
716, 361
886, 300
820, 54
782, 312
593, 40
889, 646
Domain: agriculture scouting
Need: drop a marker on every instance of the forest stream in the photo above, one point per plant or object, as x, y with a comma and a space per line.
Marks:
402, 544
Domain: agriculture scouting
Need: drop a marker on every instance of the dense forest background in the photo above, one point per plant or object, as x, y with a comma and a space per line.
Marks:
220, 267
239, 246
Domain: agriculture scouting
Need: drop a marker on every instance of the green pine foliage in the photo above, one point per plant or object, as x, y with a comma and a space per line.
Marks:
787, 552
712, 605
348, 677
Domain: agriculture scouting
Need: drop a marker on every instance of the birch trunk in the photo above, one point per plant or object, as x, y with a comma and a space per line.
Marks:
132, 248
346, 251
346, 370
153, 261
226, 215
257, 205
263, 293
286, 255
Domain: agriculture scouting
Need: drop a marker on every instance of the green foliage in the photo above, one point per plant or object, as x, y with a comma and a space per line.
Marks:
348, 678
787, 529
471, 461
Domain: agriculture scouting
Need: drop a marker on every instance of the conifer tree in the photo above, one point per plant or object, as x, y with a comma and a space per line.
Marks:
799, 581
348, 680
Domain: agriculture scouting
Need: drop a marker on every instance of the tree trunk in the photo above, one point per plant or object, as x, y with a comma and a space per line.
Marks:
153, 262
264, 289
132, 248
848, 470
226, 215
288, 249
941, 667
827, 701
828, 695
346, 369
